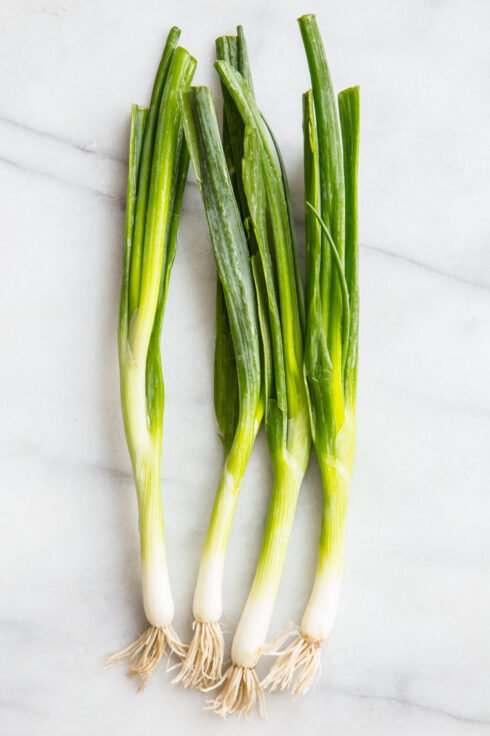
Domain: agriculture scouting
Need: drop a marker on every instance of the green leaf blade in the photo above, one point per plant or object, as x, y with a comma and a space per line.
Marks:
138, 122
145, 168
179, 76
292, 229
332, 195
317, 364
229, 242
279, 226
332, 209
225, 374
154, 376
349, 108
255, 192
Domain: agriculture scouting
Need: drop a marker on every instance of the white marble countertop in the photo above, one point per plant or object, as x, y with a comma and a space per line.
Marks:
410, 655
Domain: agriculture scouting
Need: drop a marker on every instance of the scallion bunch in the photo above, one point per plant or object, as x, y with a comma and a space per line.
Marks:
279, 357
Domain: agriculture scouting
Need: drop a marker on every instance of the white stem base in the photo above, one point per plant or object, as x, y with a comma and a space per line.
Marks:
157, 596
321, 611
208, 605
251, 634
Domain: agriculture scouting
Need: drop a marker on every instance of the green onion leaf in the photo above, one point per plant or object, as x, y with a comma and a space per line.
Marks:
145, 169
280, 229
225, 376
180, 72
227, 235
138, 121
340, 274
349, 107
254, 187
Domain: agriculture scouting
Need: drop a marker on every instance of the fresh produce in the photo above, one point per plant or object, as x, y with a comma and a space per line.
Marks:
331, 147
280, 356
239, 401
264, 196
158, 164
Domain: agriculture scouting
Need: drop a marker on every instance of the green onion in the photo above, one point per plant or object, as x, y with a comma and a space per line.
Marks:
158, 164
238, 399
272, 248
331, 146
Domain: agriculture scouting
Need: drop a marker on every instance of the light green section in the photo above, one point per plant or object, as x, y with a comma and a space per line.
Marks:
288, 478
336, 471
228, 490
147, 479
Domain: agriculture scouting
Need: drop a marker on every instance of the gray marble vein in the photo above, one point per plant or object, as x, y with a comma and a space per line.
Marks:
413, 704
485, 285
45, 134
121, 202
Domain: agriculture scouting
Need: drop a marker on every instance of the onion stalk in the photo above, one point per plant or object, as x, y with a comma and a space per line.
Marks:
158, 165
239, 401
331, 146
280, 298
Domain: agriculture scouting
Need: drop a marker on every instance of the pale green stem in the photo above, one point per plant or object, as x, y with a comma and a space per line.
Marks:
251, 633
147, 478
336, 482
145, 452
228, 490
336, 470
287, 483
208, 605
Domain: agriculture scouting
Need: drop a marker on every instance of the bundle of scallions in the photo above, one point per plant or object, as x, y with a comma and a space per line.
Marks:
279, 357
275, 292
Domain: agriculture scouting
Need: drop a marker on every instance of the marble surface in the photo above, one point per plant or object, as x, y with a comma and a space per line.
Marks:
411, 650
